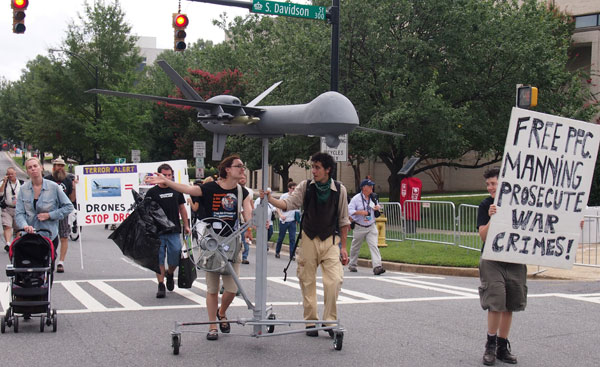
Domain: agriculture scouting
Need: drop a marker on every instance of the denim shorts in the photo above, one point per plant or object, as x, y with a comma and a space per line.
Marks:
171, 244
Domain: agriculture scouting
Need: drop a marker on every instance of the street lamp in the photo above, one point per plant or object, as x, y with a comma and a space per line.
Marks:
88, 67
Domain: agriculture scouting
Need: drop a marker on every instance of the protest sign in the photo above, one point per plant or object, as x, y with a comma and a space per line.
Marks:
104, 190
543, 188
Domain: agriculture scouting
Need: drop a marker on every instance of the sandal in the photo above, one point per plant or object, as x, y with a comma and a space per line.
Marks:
60, 268
224, 326
213, 334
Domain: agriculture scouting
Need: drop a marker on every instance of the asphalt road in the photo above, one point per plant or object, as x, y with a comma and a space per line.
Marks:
109, 316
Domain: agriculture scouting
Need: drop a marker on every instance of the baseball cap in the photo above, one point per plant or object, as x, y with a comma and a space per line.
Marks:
366, 182
59, 161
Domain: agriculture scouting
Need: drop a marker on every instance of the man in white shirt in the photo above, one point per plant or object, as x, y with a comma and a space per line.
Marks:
9, 190
287, 222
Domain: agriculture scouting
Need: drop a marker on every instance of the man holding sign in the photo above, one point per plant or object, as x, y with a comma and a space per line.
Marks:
533, 216
503, 287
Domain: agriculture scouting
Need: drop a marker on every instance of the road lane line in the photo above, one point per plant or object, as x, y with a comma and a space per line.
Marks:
82, 296
113, 293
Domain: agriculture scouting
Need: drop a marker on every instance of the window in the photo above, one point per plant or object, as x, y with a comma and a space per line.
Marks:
586, 21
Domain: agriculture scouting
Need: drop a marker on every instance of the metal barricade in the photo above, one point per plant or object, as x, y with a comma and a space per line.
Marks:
589, 246
467, 233
393, 226
430, 221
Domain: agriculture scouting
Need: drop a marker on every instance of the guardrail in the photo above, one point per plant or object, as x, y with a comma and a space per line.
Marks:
589, 247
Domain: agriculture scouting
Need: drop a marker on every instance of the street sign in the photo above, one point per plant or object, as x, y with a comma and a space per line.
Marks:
199, 162
199, 172
199, 149
289, 9
339, 153
120, 160
135, 156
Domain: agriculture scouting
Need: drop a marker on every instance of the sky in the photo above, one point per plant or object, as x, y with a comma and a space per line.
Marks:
47, 20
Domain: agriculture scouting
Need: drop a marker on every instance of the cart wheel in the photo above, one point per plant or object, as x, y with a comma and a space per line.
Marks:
54, 321
3, 325
338, 340
16, 324
175, 343
271, 328
42, 323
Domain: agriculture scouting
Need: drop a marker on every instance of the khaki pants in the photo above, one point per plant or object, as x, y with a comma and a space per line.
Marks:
311, 254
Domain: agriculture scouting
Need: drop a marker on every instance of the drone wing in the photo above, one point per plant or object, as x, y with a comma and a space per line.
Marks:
183, 86
368, 129
227, 108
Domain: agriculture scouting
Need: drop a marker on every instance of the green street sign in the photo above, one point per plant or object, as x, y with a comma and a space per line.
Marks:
288, 9
120, 160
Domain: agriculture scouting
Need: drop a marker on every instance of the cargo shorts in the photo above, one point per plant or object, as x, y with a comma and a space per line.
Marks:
503, 286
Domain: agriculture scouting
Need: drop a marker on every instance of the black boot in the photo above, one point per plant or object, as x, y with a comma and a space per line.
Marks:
489, 357
503, 353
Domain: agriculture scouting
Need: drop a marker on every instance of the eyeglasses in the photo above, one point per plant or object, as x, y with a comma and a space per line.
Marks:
239, 166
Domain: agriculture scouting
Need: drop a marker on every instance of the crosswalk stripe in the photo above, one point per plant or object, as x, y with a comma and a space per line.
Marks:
293, 282
82, 296
5, 295
118, 296
427, 287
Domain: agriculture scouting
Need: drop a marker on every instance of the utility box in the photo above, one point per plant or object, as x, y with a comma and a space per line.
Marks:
410, 189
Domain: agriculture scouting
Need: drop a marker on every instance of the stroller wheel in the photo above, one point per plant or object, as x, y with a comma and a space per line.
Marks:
16, 324
175, 343
3, 325
54, 320
42, 323
271, 328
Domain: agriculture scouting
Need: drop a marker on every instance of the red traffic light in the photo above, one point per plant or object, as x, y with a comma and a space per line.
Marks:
180, 21
20, 4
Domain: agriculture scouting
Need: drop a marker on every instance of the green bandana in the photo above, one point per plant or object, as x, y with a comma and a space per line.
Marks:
323, 191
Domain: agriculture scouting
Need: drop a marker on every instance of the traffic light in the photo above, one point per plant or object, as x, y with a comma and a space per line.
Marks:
19, 7
527, 96
180, 22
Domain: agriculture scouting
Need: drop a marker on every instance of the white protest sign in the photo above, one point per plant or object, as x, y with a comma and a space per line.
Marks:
543, 188
104, 190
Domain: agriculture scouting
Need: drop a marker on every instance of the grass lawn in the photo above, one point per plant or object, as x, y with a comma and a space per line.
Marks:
418, 252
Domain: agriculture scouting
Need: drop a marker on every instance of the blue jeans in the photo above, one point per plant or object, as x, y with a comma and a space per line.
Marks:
171, 244
291, 228
246, 248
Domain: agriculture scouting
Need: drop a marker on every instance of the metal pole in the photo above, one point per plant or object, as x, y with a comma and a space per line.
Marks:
260, 300
335, 44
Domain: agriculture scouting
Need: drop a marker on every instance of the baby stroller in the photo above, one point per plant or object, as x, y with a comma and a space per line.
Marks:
31, 274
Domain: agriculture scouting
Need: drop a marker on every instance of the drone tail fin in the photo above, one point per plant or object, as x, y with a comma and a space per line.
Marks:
219, 141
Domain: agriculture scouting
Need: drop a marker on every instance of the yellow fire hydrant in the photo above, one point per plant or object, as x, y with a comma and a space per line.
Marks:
380, 223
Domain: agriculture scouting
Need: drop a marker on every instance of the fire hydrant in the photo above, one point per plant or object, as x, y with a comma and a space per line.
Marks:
380, 223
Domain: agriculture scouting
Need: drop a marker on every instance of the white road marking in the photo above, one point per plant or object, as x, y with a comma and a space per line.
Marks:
5, 295
122, 299
82, 296
293, 283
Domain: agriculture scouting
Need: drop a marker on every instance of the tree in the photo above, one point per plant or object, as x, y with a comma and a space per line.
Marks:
97, 50
444, 74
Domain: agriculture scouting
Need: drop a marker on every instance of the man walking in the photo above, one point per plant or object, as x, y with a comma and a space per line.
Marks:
60, 177
324, 227
287, 222
362, 210
173, 204
9, 190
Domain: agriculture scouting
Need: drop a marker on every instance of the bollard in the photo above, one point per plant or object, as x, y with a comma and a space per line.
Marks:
380, 223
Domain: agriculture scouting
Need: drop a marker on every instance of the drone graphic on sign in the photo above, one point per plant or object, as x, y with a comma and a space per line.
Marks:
329, 115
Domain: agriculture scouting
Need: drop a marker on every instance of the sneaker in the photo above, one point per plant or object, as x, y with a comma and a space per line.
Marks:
277, 256
312, 332
245, 262
170, 282
378, 270
161, 291
352, 269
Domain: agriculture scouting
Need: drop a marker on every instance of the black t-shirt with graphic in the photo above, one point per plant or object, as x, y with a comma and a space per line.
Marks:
169, 200
220, 203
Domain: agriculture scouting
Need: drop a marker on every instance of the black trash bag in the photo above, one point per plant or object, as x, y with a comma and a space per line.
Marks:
137, 235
